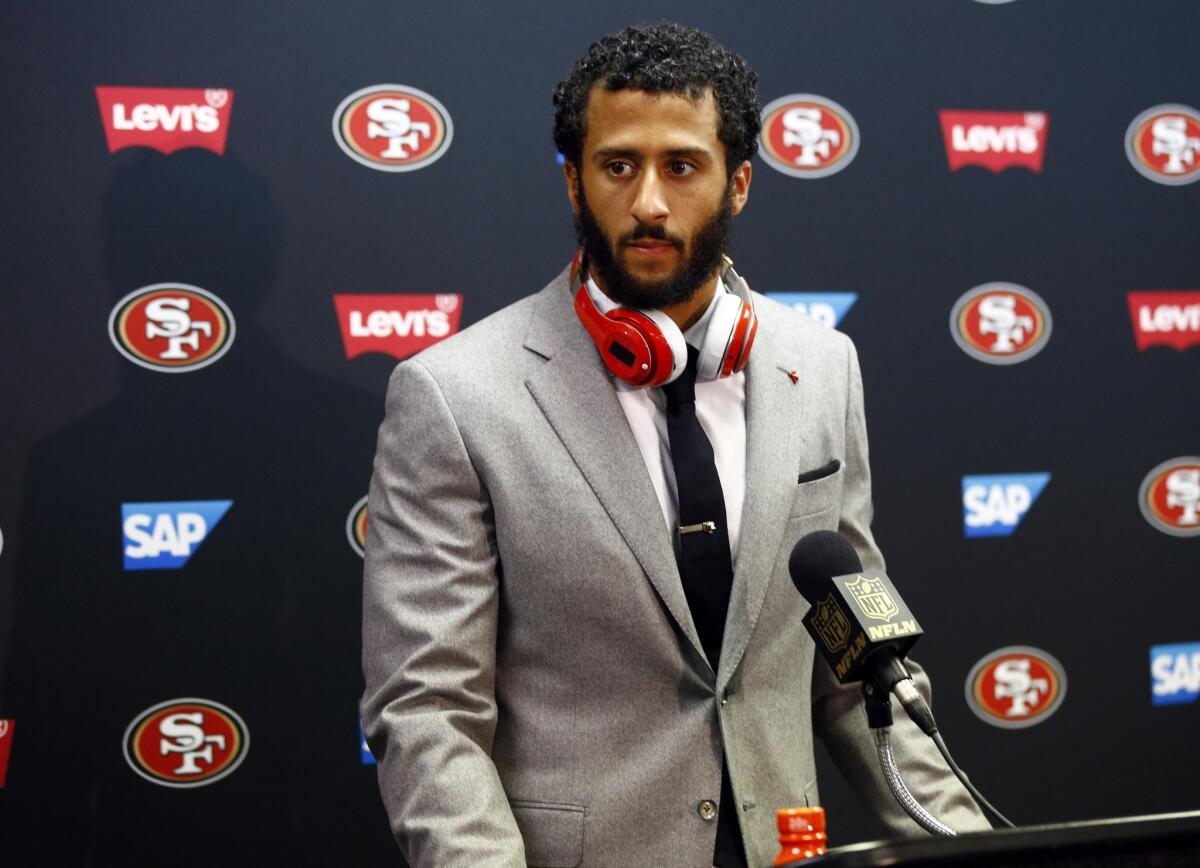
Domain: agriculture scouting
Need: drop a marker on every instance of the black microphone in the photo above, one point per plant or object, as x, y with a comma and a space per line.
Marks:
858, 621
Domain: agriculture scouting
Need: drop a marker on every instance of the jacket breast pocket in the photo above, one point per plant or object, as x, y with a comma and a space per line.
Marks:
553, 833
818, 494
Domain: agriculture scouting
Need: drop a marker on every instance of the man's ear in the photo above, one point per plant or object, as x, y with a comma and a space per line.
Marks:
740, 187
572, 175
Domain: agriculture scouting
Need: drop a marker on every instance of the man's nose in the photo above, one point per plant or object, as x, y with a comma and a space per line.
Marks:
650, 203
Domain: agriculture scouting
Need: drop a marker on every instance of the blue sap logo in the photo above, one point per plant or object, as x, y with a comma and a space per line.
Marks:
163, 536
827, 308
364, 752
1175, 672
994, 505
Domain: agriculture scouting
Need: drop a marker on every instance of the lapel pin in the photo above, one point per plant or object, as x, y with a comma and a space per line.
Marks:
795, 378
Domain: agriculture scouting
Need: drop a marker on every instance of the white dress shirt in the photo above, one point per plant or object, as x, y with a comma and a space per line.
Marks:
721, 409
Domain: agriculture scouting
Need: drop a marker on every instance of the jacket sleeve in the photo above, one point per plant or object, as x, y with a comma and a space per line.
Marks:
430, 605
839, 717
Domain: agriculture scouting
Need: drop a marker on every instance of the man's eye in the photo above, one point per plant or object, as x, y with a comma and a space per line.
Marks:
619, 168
681, 168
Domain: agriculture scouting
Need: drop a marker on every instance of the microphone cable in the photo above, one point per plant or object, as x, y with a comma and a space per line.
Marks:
962, 777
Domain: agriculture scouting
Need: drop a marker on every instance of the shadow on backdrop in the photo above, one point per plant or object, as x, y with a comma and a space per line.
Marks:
264, 615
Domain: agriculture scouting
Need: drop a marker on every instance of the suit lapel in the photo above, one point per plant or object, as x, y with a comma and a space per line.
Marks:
774, 442
574, 392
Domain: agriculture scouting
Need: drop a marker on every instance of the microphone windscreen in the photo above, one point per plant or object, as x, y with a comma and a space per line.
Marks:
817, 558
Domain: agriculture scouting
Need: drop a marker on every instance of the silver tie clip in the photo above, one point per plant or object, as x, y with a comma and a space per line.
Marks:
706, 526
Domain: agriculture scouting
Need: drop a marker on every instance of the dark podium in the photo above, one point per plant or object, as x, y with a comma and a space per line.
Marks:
1159, 841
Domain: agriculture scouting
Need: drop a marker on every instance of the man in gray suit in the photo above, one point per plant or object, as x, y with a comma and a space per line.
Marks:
544, 682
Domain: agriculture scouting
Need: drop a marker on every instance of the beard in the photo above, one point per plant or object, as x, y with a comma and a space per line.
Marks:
702, 256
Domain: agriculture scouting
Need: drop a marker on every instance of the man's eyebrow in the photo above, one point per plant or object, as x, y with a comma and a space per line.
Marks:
694, 153
609, 153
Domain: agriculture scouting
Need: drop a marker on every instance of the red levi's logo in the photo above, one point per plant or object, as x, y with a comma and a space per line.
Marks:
166, 119
398, 325
994, 140
1165, 318
6, 734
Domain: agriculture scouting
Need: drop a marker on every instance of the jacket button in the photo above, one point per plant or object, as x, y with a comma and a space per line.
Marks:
707, 810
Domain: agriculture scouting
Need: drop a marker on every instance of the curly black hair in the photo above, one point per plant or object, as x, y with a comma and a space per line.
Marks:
662, 58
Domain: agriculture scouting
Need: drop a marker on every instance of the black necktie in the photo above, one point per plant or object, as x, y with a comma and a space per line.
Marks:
705, 563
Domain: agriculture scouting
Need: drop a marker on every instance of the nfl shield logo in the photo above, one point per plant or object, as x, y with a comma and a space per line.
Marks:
831, 624
872, 597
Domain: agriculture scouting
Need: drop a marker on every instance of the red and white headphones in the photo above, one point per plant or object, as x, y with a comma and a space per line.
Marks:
646, 347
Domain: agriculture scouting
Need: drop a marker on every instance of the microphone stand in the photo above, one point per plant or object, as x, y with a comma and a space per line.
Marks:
879, 718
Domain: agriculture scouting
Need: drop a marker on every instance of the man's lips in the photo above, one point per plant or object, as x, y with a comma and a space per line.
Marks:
651, 248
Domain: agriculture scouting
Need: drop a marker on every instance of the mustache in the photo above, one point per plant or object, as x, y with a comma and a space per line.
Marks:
655, 232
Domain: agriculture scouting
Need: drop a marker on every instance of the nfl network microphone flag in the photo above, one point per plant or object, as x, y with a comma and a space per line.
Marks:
859, 614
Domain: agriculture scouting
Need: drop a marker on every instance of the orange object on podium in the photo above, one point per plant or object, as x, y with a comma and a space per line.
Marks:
801, 833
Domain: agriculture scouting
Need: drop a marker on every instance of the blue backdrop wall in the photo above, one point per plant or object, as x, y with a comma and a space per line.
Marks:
210, 266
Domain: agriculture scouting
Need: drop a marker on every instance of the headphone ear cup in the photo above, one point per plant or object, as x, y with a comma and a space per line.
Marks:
748, 326
659, 337
728, 338
676, 344
717, 337
641, 348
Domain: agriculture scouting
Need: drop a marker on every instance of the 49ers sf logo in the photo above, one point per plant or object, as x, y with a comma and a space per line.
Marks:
392, 127
186, 742
1170, 496
808, 136
1016, 687
356, 526
1000, 323
171, 327
1163, 143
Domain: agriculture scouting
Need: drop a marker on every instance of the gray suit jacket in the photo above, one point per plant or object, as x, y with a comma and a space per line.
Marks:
536, 692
